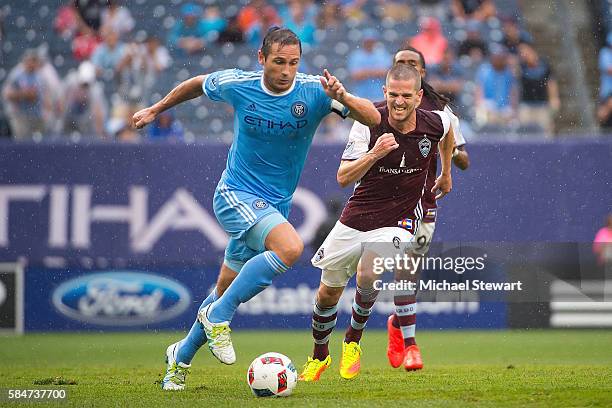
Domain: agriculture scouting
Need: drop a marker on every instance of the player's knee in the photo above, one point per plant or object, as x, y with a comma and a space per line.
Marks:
328, 296
291, 251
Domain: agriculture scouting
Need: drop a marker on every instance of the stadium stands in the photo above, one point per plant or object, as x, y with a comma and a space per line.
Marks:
27, 24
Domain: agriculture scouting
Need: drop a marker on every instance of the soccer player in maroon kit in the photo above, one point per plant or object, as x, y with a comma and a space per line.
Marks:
390, 162
401, 325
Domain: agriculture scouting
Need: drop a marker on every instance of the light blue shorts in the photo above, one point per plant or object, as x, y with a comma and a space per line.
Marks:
248, 219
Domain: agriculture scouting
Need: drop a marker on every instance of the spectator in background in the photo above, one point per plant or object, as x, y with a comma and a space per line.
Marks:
120, 126
116, 18
232, 32
268, 19
368, 66
430, 40
448, 77
89, 13
300, 20
80, 22
605, 69
66, 22
84, 44
473, 47
212, 25
435, 8
354, 10
496, 90
250, 14
395, 11
84, 109
109, 55
165, 127
513, 35
330, 15
479, 10
53, 86
26, 99
539, 90
187, 34
144, 63
602, 244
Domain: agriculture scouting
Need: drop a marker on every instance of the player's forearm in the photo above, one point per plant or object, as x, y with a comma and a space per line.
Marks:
352, 171
186, 90
362, 110
461, 159
445, 148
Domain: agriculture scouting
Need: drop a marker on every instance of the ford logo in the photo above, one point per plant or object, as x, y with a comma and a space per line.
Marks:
121, 298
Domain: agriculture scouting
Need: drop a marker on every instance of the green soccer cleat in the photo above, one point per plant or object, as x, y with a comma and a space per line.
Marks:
175, 372
219, 340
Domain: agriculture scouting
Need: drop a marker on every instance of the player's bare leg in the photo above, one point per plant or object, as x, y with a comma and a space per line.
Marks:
323, 323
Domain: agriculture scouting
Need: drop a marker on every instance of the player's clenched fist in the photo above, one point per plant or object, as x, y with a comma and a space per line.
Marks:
143, 117
384, 145
332, 86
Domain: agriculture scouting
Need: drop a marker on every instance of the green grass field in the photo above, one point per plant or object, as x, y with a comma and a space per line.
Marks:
471, 368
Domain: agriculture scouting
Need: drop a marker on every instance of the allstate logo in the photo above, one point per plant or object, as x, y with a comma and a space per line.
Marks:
260, 204
299, 109
121, 298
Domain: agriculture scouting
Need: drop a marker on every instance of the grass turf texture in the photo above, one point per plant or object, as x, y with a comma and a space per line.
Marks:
497, 368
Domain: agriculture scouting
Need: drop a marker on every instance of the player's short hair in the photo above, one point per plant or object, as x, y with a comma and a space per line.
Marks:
403, 72
280, 36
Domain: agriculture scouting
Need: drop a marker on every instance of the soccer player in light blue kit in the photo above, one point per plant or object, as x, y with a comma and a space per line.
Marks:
277, 112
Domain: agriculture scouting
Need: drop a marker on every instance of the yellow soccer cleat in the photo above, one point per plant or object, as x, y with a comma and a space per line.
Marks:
314, 368
351, 360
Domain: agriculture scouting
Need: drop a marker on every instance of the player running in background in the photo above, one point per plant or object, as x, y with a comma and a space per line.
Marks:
277, 111
390, 162
401, 325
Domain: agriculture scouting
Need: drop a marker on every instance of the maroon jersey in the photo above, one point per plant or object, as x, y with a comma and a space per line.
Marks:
389, 194
429, 199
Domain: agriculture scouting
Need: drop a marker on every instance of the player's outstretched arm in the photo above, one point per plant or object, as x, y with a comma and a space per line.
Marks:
444, 182
362, 110
186, 90
350, 171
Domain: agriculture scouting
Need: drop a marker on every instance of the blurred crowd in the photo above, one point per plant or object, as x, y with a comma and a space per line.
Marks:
494, 84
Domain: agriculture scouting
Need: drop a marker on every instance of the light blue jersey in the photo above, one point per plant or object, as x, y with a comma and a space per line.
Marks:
272, 136
272, 132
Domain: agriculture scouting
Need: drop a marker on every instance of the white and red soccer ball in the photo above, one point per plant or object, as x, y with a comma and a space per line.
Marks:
272, 375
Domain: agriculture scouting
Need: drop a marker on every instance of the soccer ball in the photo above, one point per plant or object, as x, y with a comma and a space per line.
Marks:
272, 375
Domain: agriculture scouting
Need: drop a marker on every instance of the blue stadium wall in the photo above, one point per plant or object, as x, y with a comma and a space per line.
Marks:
123, 237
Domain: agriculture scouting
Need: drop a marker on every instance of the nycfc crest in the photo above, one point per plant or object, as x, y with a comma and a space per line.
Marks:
298, 109
260, 204
424, 146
